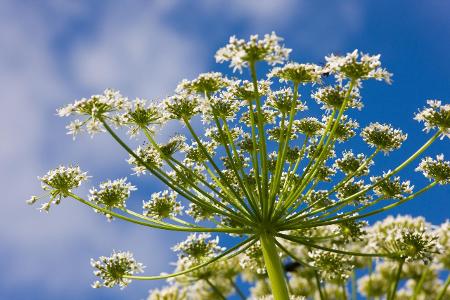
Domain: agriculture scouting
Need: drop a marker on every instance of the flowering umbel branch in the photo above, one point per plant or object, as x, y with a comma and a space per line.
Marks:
268, 174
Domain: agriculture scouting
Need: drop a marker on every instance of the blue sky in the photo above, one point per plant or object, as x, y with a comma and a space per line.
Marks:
52, 52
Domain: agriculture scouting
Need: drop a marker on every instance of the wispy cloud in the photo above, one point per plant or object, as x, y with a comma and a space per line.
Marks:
54, 52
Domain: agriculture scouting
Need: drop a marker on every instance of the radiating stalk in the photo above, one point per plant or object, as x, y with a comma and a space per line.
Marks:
397, 279
274, 268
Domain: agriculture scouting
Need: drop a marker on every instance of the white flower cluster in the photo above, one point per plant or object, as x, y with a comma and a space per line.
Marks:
435, 116
140, 114
199, 213
261, 166
297, 73
162, 205
222, 106
383, 137
331, 266
148, 156
198, 246
252, 259
205, 83
283, 101
97, 107
59, 183
309, 126
175, 144
240, 52
404, 237
333, 97
435, 169
351, 188
244, 89
345, 129
112, 194
391, 188
181, 106
270, 297
352, 164
111, 270
356, 66
443, 232
171, 292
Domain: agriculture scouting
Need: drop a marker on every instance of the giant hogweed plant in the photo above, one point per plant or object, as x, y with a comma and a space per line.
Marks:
277, 180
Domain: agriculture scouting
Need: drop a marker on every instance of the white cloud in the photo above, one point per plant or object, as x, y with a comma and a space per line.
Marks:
132, 48
136, 52
53, 250
313, 26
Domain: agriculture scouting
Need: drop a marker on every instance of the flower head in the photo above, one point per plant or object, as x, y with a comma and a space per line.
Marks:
345, 130
324, 173
351, 163
142, 115
391, 188
171, 292
252, 259
374, 285
319, 198
435, 116
148, 157
198, 246
246, 91
59, 183
330, 265
332, 97
197, 154
96, 108
435, 169
352, 187
208, 83
297, 73
412, 245
222, 105
352, 229
383, 137
240, 52
112, 194
443, 232
181, 106
173, 145
309, 126
199, 213
356, 66
404, 237
111, 270
162, 205
283, 101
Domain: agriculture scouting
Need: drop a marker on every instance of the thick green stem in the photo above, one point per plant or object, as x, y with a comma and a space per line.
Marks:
419, 284
237, 289
319, 286
274, 268
444, 289
353, 283
397, 279
215, 289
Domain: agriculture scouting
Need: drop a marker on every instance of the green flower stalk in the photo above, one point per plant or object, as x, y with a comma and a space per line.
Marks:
262, 170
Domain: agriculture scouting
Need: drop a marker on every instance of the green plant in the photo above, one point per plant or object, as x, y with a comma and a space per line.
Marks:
261, 171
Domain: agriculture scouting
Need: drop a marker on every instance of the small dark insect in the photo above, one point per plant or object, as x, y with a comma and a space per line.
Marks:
324, 74
291, 267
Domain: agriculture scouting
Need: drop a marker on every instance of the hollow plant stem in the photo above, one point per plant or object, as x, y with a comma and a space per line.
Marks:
237, 289
274, 267
215, 289
397, 279
353, 284
444, 289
